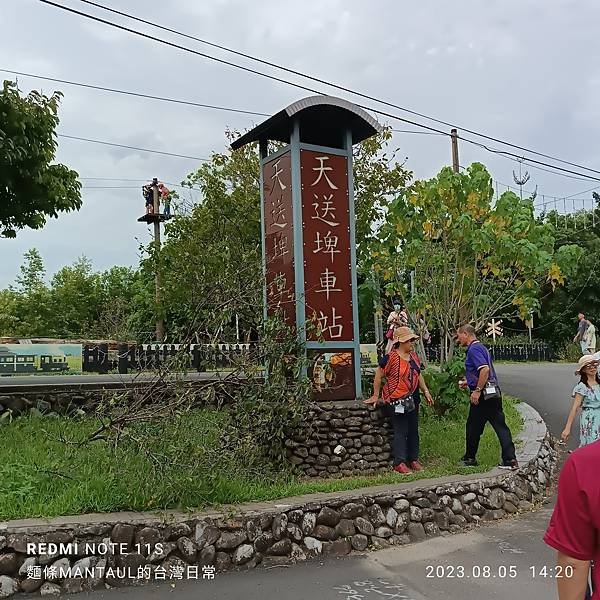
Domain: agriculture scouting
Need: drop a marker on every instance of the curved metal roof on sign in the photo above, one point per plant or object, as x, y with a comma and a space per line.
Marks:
323, 119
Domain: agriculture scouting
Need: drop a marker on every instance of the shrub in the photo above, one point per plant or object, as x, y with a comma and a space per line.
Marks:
570, 352
443, 385
512, 340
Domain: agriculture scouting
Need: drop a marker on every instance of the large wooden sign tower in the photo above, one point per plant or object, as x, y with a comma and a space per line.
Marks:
308, 229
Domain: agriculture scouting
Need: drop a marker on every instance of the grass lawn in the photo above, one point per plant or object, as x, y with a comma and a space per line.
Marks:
41, 476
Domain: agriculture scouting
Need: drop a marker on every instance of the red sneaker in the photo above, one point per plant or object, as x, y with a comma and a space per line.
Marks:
415, 465
402, 468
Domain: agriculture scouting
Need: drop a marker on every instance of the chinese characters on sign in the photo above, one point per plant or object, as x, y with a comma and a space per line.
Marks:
279, 237
326, 228
327, 271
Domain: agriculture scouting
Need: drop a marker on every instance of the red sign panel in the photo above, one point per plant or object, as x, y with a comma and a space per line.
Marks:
279, 238
326, 243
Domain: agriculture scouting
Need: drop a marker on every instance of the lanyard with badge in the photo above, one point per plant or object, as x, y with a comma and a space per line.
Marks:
407, 404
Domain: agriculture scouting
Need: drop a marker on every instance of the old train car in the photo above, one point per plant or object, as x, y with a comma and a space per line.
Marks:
53, 362
11, 362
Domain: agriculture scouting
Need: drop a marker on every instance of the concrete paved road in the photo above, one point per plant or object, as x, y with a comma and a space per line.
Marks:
547, 387
445, 567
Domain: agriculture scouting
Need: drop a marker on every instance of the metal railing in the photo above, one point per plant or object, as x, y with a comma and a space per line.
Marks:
535, 352
150, 357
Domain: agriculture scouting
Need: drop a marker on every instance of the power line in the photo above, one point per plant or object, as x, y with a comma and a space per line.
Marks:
82, 139
419, 132
584, 192
506, 153
242, 111
300, 86
141, 179
298, 73
136, 94
521, 159
96, 87
166, 99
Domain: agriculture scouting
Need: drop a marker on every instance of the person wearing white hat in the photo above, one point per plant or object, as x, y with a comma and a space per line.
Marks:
586, 396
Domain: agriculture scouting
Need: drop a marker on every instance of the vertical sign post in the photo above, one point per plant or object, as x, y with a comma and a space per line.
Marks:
308, 227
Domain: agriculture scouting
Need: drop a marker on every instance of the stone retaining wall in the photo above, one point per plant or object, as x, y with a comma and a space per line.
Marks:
344, 439
47, 402
150, 546
83, 399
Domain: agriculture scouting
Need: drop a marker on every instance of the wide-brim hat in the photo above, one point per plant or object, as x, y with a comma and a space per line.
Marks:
404, 334
584, 361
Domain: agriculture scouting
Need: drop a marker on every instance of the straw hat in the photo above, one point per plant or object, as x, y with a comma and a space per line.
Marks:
585, 360
404, 334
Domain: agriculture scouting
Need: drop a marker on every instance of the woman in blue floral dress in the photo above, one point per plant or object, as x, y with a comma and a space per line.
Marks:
586, 395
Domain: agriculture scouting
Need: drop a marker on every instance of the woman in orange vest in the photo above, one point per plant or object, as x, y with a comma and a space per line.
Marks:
401, 369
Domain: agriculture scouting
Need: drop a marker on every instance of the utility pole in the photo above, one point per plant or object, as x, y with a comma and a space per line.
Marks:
151, 193
455, 162
160, 324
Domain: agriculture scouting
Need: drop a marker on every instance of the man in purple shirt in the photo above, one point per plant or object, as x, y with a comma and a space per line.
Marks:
479, 370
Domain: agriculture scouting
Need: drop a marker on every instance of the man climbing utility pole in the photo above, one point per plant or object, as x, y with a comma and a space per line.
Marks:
152, 194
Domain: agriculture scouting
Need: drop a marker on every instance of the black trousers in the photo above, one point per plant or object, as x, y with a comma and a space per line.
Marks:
406, 434
488, 411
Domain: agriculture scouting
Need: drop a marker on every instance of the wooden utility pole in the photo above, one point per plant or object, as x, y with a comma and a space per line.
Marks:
455, 162
160, 324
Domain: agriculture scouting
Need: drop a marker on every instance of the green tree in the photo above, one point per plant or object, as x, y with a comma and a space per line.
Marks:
472, 260
79, 302
123, 305
581, 292
378, 179
76, 299
31, 187
8, 312
30, 304
214, 248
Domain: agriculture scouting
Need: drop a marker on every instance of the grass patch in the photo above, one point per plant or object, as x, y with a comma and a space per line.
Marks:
41, 476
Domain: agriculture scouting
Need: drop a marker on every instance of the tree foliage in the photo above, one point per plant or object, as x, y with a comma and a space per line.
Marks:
473, 260
211, 260
581, 292
77, 303
32, 188
378, 179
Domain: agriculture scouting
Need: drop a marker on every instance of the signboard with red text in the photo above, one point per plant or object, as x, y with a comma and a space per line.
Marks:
279, 238
326, 245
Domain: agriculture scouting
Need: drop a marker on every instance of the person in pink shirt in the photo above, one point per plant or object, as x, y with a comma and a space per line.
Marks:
574, 529
165, 198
